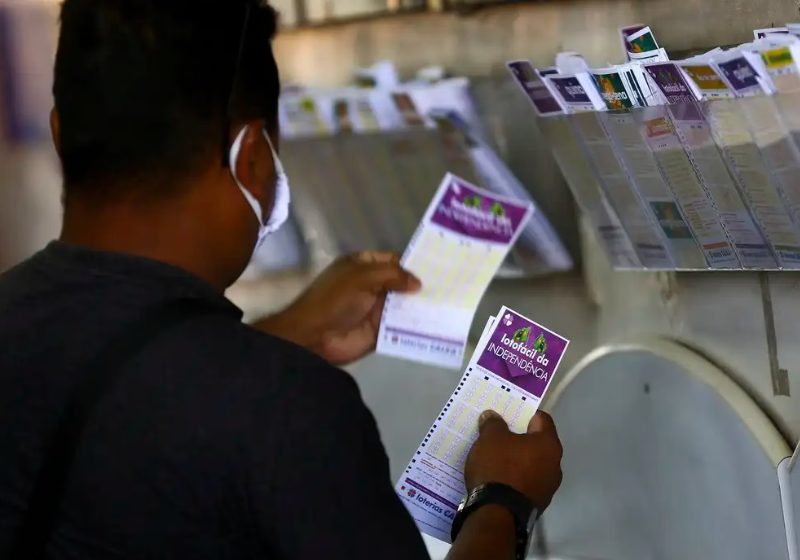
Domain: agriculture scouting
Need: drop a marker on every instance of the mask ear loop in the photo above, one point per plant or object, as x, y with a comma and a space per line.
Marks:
282, 200
236, 147
278, 164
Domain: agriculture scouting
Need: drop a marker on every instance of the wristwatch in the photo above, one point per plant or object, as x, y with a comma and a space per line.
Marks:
522, 509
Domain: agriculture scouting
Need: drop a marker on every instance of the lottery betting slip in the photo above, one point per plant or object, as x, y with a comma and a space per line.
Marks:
510, 371
456, 251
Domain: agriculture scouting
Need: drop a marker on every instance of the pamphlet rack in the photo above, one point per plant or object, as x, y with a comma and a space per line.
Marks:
696, 186
369, 191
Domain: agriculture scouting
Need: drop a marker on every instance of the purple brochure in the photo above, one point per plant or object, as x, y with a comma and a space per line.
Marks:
667, 76
531, 83
571, 90
740, 74
478, 214
523, 353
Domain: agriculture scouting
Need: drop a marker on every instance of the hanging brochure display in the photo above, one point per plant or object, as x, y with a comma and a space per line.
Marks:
723, 202
649, 241
365, 163
678, 212
746, 166
698, 160
694, 199
723, 125
780, 67
775, 131
577, 170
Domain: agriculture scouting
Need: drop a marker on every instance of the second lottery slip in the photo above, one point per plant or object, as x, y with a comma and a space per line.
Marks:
510, 371
462, 241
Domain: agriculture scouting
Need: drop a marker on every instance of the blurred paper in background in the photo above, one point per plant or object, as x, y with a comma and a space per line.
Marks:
26, 69
30, 178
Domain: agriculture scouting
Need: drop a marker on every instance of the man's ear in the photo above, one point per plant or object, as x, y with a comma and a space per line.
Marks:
55, 130
250, 153
255, 166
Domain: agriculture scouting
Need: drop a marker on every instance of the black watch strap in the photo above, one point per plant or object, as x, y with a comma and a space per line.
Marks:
518, 504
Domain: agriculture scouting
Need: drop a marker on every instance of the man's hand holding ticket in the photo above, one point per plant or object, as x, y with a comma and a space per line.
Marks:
462, 241
508, 375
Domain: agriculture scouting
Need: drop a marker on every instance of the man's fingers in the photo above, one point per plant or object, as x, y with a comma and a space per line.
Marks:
380, 271
490, 421
541, 422
391, 277
372, 257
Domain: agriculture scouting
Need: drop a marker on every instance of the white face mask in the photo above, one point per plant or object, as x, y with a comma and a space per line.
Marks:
280, 205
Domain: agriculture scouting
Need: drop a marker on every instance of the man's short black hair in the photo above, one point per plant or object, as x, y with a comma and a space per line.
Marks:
142, 87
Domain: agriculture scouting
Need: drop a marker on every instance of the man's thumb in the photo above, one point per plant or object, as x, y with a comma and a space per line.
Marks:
491, 421
541, 422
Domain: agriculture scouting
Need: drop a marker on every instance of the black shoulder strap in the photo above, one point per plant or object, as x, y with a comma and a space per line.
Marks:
30, 542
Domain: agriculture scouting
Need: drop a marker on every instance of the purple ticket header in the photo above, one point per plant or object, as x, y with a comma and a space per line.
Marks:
531, 83
739, 73
479, 214
669, 79
523, 353
571, 90
762, 33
